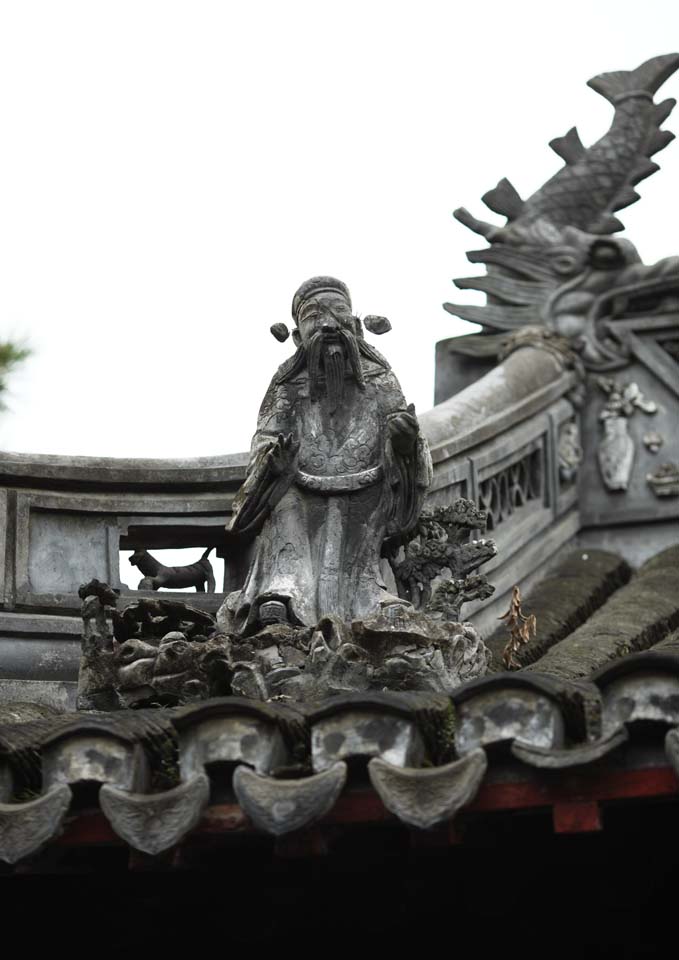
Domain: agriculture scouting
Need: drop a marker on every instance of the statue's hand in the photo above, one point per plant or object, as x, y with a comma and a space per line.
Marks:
404, 428
282, 455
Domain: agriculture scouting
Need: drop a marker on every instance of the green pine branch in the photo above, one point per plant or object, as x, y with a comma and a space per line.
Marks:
11, 354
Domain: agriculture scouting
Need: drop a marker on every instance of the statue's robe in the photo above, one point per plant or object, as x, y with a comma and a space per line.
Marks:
321, 525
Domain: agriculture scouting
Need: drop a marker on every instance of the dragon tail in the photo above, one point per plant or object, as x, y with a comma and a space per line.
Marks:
646, 79
642, 82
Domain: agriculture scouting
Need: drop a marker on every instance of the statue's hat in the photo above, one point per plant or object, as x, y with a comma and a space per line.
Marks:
311, 288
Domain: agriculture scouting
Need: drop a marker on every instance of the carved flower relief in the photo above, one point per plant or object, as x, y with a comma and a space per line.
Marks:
623, 400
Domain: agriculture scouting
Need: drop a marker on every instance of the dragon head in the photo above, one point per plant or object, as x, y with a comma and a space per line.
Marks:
555, 264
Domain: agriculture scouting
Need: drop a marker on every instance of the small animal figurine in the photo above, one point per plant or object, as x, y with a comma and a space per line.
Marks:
157, 575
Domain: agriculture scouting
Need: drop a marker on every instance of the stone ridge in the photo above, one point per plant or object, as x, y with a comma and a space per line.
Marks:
634, 618
563, 601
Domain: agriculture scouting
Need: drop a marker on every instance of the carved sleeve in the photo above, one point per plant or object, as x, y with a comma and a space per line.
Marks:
267, 478
408, 471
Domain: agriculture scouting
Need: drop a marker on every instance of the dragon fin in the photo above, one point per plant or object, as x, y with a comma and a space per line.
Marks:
645, 169
478, 345
647, 78
625, 198
606, 223
659, 140
663, 110
498, 317
570, 148
507, 289
482, 227
522, 262
504, 199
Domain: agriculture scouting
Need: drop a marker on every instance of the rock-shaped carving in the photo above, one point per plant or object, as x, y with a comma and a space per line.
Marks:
97, 676
399, 649
616, 447
163, 652
157, 575
664, 482
153, 652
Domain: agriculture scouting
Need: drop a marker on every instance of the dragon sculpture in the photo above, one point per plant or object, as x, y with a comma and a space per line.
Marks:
555, 264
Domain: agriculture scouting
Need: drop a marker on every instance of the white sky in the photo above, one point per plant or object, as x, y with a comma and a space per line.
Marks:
172, 171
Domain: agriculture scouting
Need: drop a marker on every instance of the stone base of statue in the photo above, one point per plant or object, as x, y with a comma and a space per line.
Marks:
162, 653
398, 649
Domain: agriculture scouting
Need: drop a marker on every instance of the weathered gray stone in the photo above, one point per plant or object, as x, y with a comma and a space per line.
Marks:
359, 733
60, 695
25, 827
154, 822
635, 617
506, 708
227, 733
425, 798
338, 467
664, 482
616, 448
640, 688
282, 806
81, 757
563, 600
575, 755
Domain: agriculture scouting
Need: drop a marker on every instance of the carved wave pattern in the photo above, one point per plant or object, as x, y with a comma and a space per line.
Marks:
511, 488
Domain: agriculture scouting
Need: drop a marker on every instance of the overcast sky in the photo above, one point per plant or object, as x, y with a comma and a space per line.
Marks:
172, 171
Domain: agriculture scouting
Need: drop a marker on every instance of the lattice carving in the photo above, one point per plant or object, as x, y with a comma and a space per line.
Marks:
513, 487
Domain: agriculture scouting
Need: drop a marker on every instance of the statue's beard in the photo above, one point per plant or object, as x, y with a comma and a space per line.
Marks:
329, 360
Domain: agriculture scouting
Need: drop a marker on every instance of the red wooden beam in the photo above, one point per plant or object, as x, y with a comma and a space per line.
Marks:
574, 799
576, 816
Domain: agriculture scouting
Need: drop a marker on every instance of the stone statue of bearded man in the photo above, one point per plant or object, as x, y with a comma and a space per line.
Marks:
337, 473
